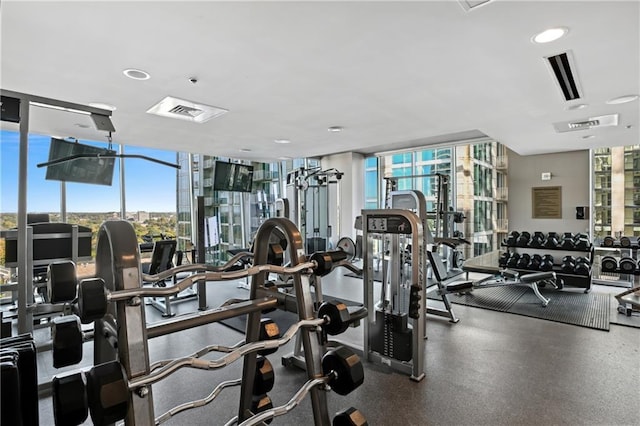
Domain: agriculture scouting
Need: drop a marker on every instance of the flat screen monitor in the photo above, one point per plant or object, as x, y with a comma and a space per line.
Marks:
232, 177
83, 170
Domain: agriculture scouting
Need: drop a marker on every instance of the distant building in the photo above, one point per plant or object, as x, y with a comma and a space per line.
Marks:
139, 216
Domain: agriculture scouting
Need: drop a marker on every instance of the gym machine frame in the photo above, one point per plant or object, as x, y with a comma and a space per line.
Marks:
34, 310
415, 201
299, 182
441, 221
391, 224
25, 283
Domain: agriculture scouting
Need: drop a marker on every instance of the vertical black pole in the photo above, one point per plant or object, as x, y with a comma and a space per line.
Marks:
202, 287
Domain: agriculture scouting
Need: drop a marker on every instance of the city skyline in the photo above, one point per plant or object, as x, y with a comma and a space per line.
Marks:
149, 186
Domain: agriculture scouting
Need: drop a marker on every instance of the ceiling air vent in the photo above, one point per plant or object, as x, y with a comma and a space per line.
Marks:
185, 110
561, 66
586, 124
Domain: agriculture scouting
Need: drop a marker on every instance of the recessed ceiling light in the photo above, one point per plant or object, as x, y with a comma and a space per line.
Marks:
335, 129
282, 141
82, 126
245, 150
622, 99
102, 106
136, 74
285, 158
576, 107
588, 137
629, 126
550, 35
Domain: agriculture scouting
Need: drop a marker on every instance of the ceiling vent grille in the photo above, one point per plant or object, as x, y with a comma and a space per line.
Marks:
185, 110
561, 66
586, 124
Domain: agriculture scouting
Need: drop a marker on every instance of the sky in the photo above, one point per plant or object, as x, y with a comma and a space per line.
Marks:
149, 186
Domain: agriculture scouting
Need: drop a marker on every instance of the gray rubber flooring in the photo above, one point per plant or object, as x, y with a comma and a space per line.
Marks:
491, 368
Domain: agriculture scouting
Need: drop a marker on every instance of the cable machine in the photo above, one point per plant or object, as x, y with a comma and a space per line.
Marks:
444, 219
395, 328
308, 194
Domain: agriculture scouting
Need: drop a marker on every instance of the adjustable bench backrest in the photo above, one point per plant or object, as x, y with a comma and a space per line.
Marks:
162, 256
437, 266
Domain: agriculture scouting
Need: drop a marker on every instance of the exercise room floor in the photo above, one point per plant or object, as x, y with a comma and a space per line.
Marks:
491, 368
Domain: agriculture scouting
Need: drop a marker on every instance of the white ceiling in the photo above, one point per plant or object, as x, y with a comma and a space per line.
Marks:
393, 74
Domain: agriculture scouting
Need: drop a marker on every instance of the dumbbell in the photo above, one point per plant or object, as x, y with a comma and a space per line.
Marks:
342, 371
523, 262
504, 258
567, 242
609, 264
261, 403
552, 240
326, 261
625, 242
608, 241
568, 264
513, 260
582, 242
268, 331
349, 417
534, 263
66, 334
523, 239
583, 266
627, 265
512, 238
264, 378
61, 281
537, 240
547, 263
102, 391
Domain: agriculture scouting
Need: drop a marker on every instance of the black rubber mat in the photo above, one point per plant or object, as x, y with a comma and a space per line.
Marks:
587, 310
494, 298
590, 310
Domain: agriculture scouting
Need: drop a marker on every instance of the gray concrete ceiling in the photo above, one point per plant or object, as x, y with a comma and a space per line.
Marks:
392, 74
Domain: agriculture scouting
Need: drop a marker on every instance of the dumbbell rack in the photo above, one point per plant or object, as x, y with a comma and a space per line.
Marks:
625, 279
571, 280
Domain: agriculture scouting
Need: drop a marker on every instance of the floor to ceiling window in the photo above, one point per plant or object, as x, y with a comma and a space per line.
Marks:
477, 185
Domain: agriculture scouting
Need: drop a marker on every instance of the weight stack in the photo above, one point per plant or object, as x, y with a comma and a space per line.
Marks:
19, 381
391, 336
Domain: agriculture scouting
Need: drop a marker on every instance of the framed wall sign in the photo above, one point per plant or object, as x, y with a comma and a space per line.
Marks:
546, 202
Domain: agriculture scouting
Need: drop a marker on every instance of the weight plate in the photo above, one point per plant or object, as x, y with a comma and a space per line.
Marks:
347, 245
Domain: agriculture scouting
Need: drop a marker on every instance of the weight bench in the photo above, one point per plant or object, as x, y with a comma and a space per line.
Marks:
505, 278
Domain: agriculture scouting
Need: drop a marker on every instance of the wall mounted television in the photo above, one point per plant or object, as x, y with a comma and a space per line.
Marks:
83, 170
232, 177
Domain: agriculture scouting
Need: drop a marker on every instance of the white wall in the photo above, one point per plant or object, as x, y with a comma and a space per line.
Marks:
569, 170
351, 193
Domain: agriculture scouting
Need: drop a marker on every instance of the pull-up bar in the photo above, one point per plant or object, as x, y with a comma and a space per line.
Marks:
76, 156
